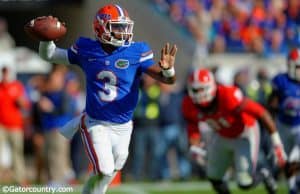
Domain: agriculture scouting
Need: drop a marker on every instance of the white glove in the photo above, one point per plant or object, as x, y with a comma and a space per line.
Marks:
279, 153
198, 154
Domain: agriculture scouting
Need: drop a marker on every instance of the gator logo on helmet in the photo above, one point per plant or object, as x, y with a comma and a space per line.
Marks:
122, 63
104, 16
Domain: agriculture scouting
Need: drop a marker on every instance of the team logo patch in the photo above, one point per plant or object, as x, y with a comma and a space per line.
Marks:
121, 63
104, 16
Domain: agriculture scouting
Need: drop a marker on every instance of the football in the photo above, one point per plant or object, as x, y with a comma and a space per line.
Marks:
45, 28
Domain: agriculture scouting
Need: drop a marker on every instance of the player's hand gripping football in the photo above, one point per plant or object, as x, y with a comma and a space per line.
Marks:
45, 28
167, 58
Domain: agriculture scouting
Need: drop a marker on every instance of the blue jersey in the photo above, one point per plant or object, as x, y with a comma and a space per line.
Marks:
112, 80
289, 99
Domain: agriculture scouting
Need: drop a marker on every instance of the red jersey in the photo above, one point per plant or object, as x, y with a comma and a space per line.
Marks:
10, 112
233, 112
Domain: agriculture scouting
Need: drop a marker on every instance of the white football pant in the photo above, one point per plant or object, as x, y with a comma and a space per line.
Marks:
241, 151
106, 143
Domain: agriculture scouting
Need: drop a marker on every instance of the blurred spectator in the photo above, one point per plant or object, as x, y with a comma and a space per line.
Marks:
6, 40
241, 79
292, 12
260, 88
172, 134
218, 45
79, 159
13, 104
36, 86
146, 132
56, 107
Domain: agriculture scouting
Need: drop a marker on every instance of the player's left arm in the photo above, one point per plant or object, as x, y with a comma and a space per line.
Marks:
164, 71
256, 110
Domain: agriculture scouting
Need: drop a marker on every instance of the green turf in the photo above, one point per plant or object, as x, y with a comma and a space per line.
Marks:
183, 188
168, 188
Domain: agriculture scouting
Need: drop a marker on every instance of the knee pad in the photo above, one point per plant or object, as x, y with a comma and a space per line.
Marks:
120, 161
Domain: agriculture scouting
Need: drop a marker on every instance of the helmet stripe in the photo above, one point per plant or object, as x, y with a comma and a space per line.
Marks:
120, 10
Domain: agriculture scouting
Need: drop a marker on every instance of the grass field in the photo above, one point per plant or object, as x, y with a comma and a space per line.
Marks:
181, 188
166, 188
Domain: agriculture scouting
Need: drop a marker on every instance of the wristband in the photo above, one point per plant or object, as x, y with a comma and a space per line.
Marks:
168, 72
275, 138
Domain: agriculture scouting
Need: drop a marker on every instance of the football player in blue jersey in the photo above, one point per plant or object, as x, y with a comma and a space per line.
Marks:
113, 65
285, 100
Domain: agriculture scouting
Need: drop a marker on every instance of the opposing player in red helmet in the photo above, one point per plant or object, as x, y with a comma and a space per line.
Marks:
113, 65
202, 87
233, 118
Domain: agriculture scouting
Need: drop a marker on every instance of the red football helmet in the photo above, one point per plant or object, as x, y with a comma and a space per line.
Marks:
202, 87
294, 64
112, 25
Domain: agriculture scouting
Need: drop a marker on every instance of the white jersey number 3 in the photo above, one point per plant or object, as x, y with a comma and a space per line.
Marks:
109, 79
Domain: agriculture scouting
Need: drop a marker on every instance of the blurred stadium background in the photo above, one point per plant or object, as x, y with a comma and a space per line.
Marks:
244, 41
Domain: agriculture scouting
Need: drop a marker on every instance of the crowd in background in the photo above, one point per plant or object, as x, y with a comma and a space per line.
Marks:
265, 27
159, 148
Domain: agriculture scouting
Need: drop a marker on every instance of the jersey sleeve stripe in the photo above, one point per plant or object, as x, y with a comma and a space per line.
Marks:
146, 53
74, 49
150, 56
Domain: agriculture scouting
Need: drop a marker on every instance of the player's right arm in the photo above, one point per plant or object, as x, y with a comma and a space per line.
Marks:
49, 52
239, 104
257, 111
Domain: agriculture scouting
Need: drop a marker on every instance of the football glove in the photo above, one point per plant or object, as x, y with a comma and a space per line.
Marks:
198, 154
278, 150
